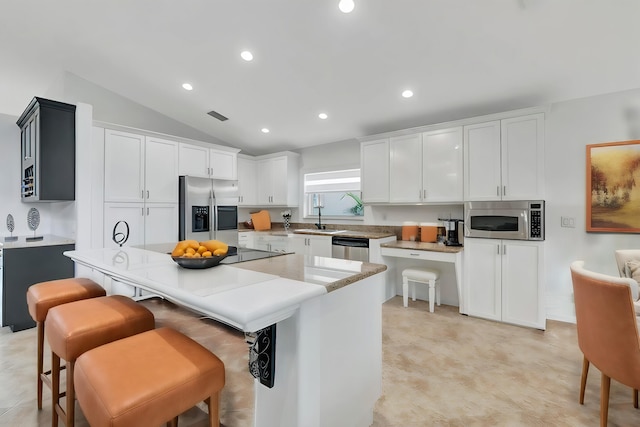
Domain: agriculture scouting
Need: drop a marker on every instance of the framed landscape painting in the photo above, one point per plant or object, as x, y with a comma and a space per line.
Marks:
613, 187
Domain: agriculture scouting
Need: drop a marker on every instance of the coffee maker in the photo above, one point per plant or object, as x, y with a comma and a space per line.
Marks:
452, 228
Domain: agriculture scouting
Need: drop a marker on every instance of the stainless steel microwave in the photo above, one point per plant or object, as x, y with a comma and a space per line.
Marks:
513, 220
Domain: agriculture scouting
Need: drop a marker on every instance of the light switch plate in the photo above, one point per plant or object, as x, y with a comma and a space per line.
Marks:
568, 222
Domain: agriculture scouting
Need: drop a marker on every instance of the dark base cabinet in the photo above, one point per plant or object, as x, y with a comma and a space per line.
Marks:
24, 267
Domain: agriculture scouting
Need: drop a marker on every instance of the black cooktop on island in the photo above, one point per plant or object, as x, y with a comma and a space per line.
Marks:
236, 255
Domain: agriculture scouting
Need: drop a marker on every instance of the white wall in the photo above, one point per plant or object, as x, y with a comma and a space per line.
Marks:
110, 107
571, 125
10, 180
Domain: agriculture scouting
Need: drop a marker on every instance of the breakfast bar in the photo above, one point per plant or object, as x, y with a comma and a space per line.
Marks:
324, 315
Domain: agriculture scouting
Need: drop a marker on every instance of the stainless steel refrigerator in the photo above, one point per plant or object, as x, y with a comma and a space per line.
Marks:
208, 209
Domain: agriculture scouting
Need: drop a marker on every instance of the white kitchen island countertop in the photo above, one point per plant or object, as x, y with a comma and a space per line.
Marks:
317, 352
248, 300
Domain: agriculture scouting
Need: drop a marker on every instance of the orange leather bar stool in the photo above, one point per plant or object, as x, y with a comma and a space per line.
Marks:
148, 379
77, 327
43, 296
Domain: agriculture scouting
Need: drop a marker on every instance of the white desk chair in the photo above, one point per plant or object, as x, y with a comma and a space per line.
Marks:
421, 275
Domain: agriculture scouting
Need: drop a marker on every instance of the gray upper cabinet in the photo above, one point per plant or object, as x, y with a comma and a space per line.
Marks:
48, 153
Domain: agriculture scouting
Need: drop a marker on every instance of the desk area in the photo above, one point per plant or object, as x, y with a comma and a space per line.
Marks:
429, 252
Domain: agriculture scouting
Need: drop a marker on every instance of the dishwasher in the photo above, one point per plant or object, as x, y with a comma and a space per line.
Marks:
352, 248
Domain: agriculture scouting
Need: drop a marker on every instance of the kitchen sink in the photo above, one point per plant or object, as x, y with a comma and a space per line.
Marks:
314, 230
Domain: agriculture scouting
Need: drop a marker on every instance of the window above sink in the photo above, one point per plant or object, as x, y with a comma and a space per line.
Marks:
335, 192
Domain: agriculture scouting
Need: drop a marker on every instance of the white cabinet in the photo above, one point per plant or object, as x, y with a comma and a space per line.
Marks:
523, 157
426, 167
268, 242
504, 159
160, 223
194, 160
374, 171
123, 167
405, 169
161, 171
139, 168
442, 165
140, 187
482, 264
277, 178
207, 162
482, 161
148, 224
245, 239
132, 214
247, 182
503, 281
223, 164
307, 244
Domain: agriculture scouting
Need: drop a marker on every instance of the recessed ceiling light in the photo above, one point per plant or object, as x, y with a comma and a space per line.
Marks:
346, 6
407, 94
187, 86
246, 55
323, 116
265, 130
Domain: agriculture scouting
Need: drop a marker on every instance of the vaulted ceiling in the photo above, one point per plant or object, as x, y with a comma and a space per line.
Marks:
461, 58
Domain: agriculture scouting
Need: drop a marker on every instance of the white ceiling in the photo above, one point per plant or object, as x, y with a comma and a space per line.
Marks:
460, 57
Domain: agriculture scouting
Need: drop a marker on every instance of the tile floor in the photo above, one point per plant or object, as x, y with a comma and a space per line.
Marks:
440, 369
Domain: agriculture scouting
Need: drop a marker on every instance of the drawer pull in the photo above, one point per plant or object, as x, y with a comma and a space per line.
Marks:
414, 254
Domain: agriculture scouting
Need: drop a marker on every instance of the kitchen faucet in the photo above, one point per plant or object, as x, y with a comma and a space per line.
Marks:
319, 223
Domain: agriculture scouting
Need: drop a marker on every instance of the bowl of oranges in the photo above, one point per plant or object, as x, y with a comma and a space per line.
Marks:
196, 255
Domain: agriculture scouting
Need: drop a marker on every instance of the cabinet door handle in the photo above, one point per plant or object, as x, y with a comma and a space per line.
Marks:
425, 193
504, 190
142, 194
147, 211
497, 190
498, 247
147, 194
504, 249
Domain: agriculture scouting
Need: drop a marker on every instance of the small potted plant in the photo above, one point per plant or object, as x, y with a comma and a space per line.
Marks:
358, 208
286, 218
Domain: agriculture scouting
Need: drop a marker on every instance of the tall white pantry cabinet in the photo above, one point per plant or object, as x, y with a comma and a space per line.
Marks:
140, 187
503, 279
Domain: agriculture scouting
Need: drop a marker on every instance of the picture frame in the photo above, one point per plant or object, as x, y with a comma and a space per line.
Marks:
613, 187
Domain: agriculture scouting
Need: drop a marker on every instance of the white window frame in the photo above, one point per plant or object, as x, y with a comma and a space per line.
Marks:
307, 197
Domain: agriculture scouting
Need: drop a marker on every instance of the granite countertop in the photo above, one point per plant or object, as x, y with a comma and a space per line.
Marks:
48, 240
347, 233
422, 246
331, 273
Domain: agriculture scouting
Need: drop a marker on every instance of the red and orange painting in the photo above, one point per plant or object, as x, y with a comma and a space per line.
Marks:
613, 187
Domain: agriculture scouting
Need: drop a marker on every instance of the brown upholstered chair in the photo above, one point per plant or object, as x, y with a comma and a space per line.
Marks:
607, 332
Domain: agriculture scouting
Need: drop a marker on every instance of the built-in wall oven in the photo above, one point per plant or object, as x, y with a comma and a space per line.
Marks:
514, 220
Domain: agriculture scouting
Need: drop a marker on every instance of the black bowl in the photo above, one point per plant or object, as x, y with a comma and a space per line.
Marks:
198, 263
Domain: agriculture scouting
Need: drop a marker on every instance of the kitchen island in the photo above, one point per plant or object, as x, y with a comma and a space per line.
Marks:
324, 315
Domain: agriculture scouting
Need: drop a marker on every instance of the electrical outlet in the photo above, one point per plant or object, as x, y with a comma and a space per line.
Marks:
568, 222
